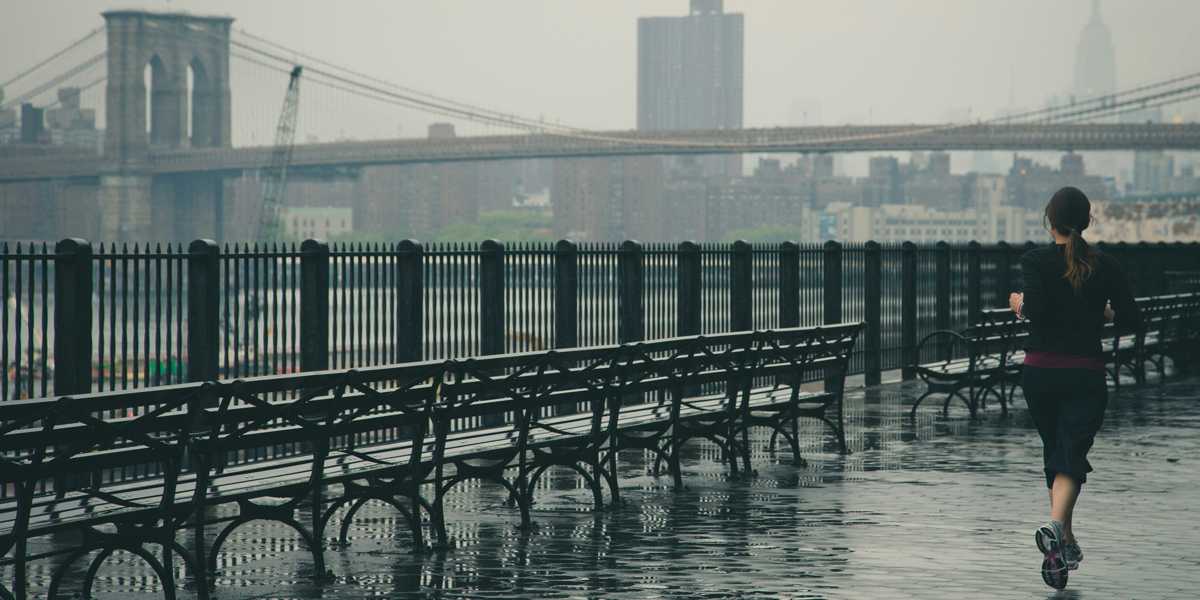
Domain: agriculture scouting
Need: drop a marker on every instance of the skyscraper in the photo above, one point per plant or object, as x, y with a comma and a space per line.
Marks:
1095, 59
1096, 75
690, 72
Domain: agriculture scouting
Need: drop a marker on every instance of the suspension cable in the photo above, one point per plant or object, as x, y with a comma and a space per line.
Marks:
316, 78
64, 76
511, 121
1138, 106
407, 90
1100, 99
43, 63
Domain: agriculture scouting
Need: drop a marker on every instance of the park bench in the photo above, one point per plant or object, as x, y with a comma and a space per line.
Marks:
263, 447
1172, 331
972, 364
985, 359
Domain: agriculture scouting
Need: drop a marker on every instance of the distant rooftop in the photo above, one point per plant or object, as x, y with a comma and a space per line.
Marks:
707, 7
170, 15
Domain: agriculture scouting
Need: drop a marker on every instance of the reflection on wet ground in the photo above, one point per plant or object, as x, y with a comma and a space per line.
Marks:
943, 507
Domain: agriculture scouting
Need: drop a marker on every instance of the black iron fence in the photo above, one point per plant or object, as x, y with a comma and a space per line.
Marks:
81, 317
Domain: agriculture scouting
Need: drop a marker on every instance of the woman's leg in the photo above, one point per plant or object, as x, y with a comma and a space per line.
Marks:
1081, 418
1062, 503
1042, 396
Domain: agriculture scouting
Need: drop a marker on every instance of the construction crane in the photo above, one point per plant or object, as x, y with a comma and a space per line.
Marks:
275, 174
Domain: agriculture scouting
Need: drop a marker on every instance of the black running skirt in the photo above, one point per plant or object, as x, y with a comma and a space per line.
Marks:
1067, 405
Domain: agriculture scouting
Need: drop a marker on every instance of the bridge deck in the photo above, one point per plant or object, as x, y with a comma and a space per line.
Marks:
849, 138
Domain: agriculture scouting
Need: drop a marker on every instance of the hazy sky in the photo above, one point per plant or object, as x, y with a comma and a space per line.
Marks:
574, 60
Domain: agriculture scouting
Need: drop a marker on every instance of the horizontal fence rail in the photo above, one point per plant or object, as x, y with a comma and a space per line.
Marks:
80, 317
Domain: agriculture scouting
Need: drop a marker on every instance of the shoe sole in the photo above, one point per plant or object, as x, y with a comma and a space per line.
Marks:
1054, 566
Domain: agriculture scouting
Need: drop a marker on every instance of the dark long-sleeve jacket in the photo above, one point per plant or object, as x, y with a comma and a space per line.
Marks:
1070, 322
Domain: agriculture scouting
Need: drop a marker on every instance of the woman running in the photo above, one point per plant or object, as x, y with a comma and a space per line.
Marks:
1069, 288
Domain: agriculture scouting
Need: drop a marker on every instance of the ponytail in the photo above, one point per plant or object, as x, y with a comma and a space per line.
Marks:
1069, 213
1080, 258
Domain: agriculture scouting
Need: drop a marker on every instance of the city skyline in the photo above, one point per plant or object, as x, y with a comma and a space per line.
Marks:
933, 59
180, 81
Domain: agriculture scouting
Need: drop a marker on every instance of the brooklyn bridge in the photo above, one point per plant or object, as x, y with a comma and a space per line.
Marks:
595, 419
168, 146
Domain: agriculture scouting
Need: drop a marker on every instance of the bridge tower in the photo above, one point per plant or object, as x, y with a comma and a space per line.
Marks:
168, 88
170, 45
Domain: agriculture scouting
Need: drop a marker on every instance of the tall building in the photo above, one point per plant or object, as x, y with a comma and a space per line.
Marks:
1031, 184
72, 125
884, 184
690, 74
9, 130
608, 199
1095, 58
1096, 75
1152, 172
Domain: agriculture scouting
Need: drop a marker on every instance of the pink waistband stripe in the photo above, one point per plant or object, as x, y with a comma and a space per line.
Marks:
1055, 360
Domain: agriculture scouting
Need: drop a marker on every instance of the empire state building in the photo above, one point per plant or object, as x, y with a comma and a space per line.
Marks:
1095, 61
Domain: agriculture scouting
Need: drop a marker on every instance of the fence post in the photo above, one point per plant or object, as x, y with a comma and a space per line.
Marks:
832, 311
491, 308
908, 309
72, 317
566, 294
410, 301
314, 305
741, 287
832, 278
1162, 264
566, 304
872, 305
688, 300
203, 309
789, 285
491, 297
1004, 283
630, 272
974, 282
72, 334
942, 301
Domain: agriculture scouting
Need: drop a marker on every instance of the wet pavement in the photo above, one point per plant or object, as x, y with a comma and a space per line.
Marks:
939, 508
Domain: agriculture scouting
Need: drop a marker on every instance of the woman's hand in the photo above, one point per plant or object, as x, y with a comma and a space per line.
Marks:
1015, 300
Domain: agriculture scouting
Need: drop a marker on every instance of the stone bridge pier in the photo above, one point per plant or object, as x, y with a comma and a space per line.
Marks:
168, 88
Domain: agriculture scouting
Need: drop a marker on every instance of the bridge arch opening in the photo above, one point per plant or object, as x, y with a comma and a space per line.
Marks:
200, 97
189, 94
157, 100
